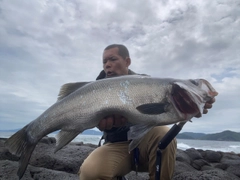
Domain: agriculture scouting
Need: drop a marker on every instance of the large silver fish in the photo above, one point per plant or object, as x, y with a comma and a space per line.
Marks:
145, 101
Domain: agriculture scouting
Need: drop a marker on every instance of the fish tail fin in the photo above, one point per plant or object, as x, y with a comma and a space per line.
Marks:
20, 145
17, 142
24, 159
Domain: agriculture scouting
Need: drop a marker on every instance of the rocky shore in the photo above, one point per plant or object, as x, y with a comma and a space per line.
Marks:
44, 164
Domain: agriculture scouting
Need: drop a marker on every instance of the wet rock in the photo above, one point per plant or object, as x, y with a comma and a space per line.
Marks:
48, 140
212, 156
194, 154
64, 164
199, 163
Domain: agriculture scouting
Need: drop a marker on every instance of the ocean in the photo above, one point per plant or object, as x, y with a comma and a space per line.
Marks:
224, 146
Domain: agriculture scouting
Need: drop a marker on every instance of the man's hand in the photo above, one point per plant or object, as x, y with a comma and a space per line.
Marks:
208, 105
111, 121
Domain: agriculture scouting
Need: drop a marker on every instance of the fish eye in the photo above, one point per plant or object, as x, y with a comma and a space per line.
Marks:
194, 82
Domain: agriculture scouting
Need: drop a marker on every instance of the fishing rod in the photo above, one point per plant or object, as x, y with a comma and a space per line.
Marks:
169, 136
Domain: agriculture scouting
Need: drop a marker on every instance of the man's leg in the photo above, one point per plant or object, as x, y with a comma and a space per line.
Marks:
106, 162
148, 148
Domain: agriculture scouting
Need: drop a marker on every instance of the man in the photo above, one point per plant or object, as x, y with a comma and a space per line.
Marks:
113, 159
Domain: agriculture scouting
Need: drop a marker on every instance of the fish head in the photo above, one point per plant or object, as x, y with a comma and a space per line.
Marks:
189, 97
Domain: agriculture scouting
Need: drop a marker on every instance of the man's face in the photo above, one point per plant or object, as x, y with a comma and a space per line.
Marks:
114, 64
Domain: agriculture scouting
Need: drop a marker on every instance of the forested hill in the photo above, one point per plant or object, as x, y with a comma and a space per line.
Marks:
222, 136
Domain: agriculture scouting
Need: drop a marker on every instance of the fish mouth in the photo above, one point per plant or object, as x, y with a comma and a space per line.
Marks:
184, 101
190, 97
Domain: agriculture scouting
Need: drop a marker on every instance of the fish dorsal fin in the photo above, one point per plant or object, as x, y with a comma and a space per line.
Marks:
69, 88
152, 108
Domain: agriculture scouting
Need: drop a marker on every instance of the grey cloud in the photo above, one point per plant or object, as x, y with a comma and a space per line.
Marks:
45, 44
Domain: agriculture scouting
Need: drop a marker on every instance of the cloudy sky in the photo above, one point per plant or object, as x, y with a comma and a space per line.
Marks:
44, 44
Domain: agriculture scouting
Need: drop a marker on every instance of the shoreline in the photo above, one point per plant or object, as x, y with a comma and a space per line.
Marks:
183, 144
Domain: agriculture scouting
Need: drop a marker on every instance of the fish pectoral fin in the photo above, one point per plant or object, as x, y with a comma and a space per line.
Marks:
133, 144
63, 138
152, 108
136, 134
69, 88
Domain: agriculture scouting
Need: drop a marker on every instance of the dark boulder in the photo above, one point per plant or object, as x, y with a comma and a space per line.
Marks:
44, 164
